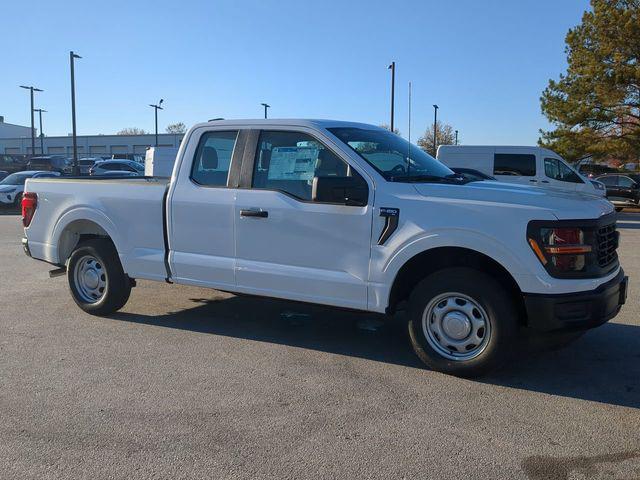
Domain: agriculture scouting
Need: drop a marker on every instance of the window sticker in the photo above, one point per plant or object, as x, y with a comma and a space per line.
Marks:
293, 163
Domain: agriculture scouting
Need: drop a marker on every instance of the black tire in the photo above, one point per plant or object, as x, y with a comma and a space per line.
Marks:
618, 209
498, 339
106, 263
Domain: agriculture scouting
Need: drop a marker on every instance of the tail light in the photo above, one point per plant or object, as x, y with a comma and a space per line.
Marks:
29, 205
563, 249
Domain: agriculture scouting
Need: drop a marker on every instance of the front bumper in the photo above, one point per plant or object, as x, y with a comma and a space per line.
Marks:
577, 311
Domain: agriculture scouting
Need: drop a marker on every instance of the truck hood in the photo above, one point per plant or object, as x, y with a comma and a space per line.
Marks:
563, 205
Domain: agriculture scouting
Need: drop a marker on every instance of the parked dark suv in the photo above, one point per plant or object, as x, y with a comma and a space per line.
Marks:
623, 189
50, 163
12, 163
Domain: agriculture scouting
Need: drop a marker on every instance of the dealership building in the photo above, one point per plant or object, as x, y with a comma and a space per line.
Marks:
17, 139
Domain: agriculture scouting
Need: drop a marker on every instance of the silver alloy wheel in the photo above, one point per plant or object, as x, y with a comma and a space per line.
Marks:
456, 326
90, 279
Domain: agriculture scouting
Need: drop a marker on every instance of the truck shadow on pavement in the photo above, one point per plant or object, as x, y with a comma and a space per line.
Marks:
602, 366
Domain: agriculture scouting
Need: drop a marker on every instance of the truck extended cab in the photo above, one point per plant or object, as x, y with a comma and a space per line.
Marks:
342, 214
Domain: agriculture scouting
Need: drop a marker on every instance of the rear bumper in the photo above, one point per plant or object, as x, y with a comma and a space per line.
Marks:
577, 311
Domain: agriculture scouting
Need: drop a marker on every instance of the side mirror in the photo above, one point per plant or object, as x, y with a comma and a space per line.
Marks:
351, 191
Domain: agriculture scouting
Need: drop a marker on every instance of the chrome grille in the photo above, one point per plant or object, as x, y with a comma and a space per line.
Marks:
607, 240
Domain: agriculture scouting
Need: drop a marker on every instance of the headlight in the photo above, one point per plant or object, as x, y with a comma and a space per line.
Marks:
563, 251
10, 190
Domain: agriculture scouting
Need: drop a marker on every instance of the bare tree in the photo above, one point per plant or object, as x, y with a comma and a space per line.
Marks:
178, 127
445, 136
132, 131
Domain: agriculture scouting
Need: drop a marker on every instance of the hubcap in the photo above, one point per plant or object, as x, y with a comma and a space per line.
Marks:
90, 279
456, 326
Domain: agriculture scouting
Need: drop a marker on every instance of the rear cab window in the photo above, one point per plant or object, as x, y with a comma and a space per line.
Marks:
213, 156
514, 164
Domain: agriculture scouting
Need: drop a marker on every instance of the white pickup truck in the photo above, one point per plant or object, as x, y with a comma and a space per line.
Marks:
342, 214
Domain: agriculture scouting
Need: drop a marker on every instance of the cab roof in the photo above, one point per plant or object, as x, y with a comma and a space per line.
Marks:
287, 122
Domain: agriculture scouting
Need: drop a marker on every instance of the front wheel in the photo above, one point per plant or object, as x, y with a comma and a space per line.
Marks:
462, 322
97, 281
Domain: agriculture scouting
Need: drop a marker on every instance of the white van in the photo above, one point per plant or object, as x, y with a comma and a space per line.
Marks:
523, 165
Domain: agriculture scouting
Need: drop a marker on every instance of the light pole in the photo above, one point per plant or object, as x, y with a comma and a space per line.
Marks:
40, 112
72, 57
265, 105
435, 129
392, 67
33, 138
156, 108
456, 137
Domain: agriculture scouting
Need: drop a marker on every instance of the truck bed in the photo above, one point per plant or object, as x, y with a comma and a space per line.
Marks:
130, 209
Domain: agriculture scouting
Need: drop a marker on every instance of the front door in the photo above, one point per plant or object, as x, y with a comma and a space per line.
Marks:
560, 176
287, 244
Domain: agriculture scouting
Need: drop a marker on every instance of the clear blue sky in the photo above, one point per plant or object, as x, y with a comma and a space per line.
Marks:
484, 63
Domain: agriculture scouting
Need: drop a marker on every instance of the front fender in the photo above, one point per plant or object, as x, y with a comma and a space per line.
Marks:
518, 260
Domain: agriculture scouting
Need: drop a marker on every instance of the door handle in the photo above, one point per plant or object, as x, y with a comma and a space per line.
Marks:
254, 213
545, 181
534, 181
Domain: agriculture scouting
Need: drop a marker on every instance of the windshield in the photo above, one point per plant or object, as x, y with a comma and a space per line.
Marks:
15, 179
392, 156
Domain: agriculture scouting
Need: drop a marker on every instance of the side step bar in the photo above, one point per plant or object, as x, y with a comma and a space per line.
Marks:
57, 272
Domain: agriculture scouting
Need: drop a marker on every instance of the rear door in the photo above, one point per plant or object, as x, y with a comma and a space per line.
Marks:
201, 217
287, 244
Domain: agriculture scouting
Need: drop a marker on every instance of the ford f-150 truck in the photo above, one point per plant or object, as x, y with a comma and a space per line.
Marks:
342, 214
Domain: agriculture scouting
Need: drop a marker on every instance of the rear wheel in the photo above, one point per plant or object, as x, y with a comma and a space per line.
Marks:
462, 322
618, 209
97, 281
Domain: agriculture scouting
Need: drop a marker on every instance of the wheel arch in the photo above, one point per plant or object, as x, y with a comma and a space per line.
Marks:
439, 258
78, 225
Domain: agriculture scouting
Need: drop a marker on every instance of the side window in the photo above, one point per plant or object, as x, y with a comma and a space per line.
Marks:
625, 182
551, 168
288, 162
558, 170
213, 157
112, 166
516, 164
609, 180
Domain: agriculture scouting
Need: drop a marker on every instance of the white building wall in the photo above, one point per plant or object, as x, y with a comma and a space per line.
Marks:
87, 144
9, 130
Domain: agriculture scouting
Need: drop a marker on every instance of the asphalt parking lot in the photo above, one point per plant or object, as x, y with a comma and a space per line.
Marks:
193, 383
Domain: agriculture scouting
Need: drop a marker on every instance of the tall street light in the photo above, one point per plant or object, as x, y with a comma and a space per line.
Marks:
72, 57
33, 137
265, 105
456, 137
392, 67
156, 108
40, 112
435, 129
